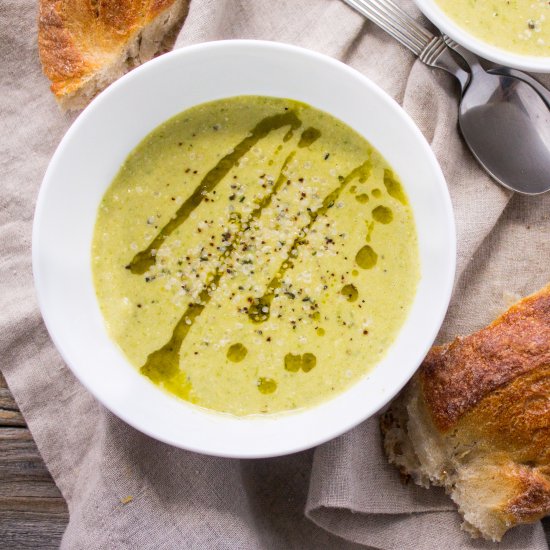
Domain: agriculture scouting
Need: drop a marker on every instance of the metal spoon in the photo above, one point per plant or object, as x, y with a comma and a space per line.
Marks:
504, 121
506, 124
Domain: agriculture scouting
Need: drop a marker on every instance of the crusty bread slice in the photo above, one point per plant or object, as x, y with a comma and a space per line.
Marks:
475, 419
84, 45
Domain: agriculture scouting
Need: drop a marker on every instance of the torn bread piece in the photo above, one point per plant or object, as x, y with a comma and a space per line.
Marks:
475, 419
84, 45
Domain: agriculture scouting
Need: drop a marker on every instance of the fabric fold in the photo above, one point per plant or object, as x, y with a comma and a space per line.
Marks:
126, 490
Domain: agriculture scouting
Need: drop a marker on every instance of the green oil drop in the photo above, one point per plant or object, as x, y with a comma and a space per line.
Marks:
308, 361
382, 214
293, 362
366, 258
236, 353
266, 385
350, 293
394, 187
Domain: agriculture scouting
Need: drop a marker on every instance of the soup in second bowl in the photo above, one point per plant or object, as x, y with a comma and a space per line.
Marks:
519, 26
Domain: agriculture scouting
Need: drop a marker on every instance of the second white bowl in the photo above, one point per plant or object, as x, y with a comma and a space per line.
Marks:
448, 26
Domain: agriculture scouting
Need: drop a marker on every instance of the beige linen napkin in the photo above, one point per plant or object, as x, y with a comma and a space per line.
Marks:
341, 495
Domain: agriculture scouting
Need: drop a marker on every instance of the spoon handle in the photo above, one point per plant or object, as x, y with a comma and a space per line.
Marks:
430, 49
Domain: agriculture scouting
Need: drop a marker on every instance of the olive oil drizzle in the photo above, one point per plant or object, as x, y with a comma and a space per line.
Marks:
163, 364
394, 187
309, 136
146, 258
259, 310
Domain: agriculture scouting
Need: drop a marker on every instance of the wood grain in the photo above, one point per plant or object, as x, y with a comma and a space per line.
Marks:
33, 514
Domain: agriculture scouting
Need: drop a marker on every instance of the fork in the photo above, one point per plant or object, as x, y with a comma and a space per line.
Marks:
432, 50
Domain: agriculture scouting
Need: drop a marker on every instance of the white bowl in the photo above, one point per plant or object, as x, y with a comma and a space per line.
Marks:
91, 153
448, 26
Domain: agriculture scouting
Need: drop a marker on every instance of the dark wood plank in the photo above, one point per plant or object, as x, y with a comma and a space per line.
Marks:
33, 514
39, 530
11, 418
7, 402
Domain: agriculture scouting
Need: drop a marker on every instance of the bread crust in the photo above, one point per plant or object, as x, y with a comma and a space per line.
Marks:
475, 419
533, 500
77, 39
457, 376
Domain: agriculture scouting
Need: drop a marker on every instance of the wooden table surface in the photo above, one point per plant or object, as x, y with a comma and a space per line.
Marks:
33, 514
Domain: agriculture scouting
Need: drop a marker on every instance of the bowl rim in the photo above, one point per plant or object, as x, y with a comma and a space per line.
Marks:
448, 26
440, 308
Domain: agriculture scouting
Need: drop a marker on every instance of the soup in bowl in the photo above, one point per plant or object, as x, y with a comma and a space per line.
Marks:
245, 266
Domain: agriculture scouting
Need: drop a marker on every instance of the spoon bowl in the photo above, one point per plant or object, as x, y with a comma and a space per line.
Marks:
506, 125
520, 158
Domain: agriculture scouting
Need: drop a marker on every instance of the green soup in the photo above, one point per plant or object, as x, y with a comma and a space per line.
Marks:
520, 26
254, 255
